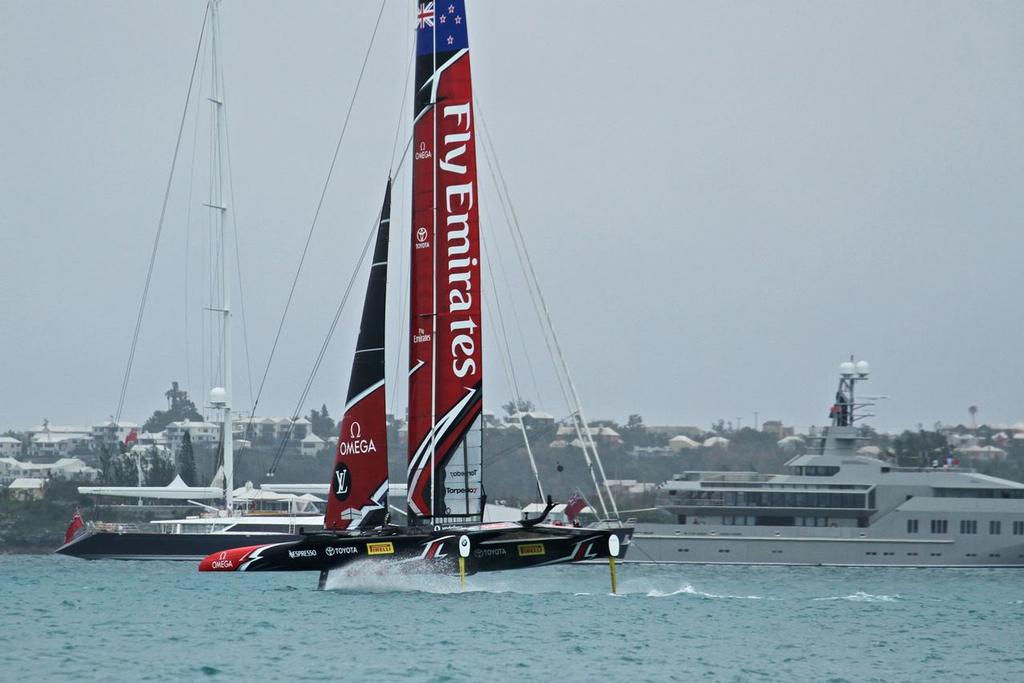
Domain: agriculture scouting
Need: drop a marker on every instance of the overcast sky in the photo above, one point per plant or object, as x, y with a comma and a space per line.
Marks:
723, 200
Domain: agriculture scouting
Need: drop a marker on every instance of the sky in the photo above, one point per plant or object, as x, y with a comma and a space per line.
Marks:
723, 201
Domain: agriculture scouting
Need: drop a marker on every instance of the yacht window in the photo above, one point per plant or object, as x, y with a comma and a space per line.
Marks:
1018, 528
911, 526
767, 520
995, 527
968, 526
940, 526
979, 493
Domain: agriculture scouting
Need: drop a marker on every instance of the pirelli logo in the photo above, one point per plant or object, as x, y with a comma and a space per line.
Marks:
530, 549
386, 548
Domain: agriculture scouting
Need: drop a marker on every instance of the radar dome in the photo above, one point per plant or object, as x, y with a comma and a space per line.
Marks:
846, 368
862, 367
218, 396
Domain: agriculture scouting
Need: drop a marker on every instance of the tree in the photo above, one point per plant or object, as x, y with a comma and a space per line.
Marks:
179, 407
160, 470
520, 406
973, 410
187, 460
322, 424
920, 448
119, 469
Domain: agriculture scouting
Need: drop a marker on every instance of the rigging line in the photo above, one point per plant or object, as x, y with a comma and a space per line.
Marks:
326, 342
510, 449
518, 323
547, 315
401, 109
401, 212
522, 265
319, 206
586, 438
188, 229
510, 377
234, 229
536, 308
160, 224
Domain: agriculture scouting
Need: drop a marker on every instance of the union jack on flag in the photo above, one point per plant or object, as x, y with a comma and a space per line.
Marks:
425, 17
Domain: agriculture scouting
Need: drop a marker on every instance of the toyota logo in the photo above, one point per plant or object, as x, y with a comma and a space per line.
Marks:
421, 235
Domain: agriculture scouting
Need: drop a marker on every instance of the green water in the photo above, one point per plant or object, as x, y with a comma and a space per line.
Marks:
68, 619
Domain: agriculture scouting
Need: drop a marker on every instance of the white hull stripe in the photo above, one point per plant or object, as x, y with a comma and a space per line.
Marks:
363, 394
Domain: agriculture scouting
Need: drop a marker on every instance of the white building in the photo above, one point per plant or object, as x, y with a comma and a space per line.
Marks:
26, 488
630, 486
982, 452
111, 432
48, 444
682, 442
602, 436
272, 429
9, 446
312, 444
202, 433
790, 443
64, 468
652, 451
531, 419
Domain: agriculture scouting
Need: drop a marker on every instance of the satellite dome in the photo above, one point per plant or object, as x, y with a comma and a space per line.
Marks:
863, 367
846, 368
218, 396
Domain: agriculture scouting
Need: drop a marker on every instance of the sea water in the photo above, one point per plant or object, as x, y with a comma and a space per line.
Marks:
67, 619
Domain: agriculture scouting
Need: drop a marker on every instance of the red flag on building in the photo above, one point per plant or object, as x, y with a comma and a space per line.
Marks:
76, 524
574, 506
131, 439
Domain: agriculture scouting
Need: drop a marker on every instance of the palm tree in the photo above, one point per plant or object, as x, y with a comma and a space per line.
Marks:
973, 410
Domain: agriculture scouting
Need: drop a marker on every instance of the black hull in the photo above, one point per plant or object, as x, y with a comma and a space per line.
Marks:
491, 548
108, 545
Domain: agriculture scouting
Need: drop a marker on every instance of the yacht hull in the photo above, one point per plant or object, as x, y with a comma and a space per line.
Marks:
494, 547
681, 544
141, 545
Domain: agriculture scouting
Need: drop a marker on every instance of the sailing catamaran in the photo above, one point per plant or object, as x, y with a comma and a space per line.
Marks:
445, 488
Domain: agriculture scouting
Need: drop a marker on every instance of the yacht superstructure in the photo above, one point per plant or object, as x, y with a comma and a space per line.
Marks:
835, 506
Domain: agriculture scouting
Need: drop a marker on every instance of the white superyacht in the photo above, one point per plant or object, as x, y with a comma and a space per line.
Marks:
838, 507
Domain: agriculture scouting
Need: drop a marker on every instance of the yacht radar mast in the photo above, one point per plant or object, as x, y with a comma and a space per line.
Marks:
844, 410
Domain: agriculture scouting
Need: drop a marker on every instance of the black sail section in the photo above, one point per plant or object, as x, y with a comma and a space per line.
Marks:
368, 365
358, 495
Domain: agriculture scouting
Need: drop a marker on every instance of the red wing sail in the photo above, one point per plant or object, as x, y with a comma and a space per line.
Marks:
445, 360
358, 495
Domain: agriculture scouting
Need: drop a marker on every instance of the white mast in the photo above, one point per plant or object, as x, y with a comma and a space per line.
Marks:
220, 397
